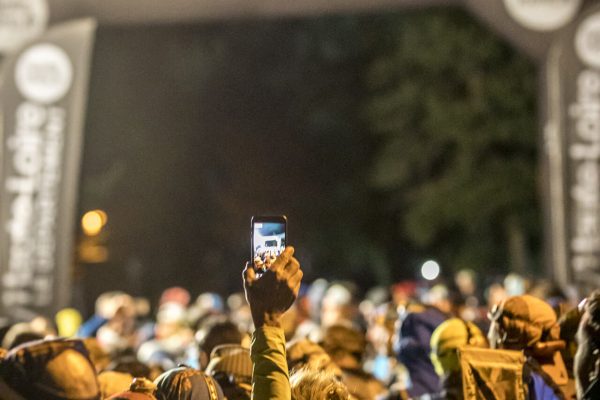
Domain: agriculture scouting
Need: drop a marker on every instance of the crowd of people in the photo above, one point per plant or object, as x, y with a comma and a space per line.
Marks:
284, 339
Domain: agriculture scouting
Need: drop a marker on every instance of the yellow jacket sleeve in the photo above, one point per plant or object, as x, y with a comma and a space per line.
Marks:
270, 378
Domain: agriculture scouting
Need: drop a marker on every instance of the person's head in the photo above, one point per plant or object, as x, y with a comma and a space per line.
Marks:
466, 281
587, 357
529, 324
24, 332
20, 333
338, 305
206, 305
447, 338
438, 296
68, 321
112, 382
303, 353
231, 366
139, 389
495, 294
311, 385
51, 369
175, 294
187, 383
128, 363
569, 324
524, 323
216, 331
108, 303
346, 346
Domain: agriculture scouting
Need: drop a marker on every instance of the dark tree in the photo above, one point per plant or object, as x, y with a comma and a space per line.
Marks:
454, 109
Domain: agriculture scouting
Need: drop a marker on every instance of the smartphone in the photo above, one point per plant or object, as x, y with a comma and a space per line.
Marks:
269, 236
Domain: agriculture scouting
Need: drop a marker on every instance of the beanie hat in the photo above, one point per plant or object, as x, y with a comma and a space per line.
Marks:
231, 359
140, 389
447, 337
51, 370
528, 323
175, 294
231, 366
526, 320
187, 383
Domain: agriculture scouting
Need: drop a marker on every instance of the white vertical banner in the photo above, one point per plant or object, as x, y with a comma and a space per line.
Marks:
42, 99
572, 157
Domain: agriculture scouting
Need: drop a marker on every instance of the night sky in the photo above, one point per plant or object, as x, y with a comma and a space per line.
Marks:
192, 130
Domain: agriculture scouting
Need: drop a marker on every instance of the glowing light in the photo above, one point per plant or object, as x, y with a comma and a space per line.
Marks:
430, 270
93, 221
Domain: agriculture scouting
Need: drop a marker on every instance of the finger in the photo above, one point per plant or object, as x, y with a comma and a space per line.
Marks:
283, 258
295, 281
258, 263
296, 289
292, 266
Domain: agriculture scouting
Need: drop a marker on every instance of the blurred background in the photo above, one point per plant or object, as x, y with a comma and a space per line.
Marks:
387, 139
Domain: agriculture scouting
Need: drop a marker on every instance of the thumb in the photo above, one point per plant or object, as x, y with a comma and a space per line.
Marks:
249, 275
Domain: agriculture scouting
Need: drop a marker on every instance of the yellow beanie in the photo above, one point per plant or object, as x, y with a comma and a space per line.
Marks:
449, 336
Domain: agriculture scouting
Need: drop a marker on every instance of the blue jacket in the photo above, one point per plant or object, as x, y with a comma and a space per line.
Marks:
413, 350
540, 390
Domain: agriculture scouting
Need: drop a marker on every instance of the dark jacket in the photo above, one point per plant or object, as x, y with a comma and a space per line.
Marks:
413, 349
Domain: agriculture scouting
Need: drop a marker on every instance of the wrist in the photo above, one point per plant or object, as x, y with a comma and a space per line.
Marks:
267, 319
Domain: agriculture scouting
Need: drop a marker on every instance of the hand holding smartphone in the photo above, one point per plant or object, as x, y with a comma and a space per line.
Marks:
268, 235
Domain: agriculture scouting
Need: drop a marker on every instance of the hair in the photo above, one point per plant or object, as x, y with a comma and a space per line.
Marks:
317, 385
593, 310
218, 331
587, 362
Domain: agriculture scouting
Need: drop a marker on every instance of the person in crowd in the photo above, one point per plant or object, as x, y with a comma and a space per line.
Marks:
175, 294
106, 306
308, 384
173, 338
587, 358
100, 359
569, 324
214, 332
339, 306
529, 324
24, 332
304, 323
413, 341
112, 382
381, 319
239, 312
57, 369
140, 389
68, 321
183, 383
128, 363
118, 334
269, 295
445, 342
303, 353
231, 366
346, 347
207, 305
